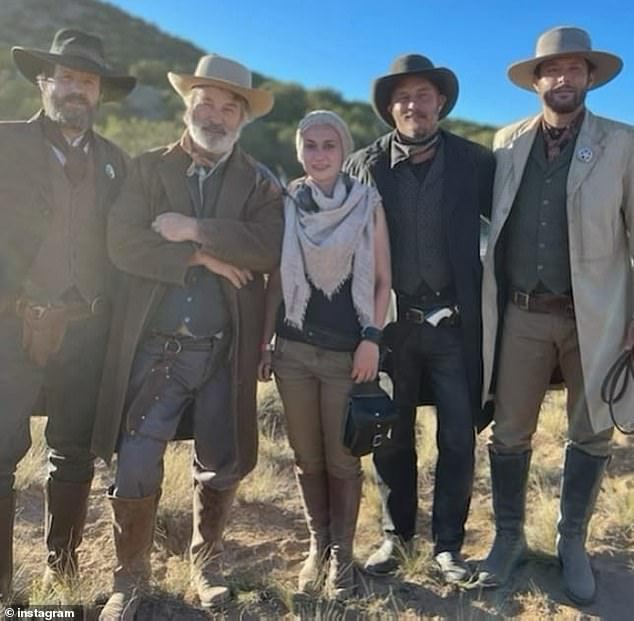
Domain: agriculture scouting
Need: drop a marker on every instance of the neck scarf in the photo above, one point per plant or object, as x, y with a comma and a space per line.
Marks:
416, 151
199, 156
556, 139
325, 247
75, 157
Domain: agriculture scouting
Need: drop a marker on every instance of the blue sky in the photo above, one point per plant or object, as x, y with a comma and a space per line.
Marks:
346, 44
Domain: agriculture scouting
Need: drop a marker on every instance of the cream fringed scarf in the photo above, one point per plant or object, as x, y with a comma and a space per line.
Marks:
326, 246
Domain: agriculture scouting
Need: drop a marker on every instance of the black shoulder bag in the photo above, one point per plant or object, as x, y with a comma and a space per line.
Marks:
369, 420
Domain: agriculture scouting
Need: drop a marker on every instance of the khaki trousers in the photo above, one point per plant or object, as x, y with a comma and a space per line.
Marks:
533, 345
315, 384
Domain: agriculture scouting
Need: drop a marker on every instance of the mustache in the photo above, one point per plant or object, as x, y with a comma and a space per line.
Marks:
75, 98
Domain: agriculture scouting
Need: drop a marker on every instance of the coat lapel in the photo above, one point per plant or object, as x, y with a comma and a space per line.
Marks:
173, 173
237, 184
37, 152
454, 169
520, 147
588, 149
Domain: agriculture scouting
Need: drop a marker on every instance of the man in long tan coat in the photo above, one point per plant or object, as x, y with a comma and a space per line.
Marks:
557, 292
195, 227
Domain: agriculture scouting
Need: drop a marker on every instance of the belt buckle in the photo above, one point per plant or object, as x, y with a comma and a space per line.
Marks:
96, 306
415, 315
522, 299
39, 310
168, 347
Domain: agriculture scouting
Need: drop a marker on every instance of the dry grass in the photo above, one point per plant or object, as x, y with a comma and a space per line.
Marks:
267, 539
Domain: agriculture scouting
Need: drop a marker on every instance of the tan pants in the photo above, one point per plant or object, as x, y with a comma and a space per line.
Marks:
314, 384
533, 344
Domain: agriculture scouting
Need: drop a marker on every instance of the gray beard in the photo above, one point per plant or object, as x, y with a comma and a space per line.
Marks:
78, 119
215, 144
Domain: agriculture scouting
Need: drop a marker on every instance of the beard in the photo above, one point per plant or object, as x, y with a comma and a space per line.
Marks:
568, 105
72, 111
211, 137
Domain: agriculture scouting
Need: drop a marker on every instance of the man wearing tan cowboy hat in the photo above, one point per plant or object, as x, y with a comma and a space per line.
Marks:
197, 224
57, 180
434, 186
556, 292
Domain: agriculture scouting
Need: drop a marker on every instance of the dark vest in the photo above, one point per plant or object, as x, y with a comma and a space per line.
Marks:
537, 256
200, 306
73, 252
419, 252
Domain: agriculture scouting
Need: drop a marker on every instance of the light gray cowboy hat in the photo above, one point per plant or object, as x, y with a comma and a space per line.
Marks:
216, 70
76, 50
442, 78
565, 41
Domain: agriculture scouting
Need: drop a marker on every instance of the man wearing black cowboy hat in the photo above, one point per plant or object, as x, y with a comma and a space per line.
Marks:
557, 292
434, 186
57, 181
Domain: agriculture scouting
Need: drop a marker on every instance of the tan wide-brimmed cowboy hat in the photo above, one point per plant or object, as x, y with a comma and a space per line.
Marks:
442, 78
216, 70
566, 41
76, 50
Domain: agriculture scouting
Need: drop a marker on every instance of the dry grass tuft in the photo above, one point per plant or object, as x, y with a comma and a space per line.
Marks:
32, 469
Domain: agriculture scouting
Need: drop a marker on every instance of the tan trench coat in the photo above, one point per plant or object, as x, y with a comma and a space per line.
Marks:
600, 209
246, 231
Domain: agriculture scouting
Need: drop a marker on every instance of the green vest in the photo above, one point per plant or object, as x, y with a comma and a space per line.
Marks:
537, 256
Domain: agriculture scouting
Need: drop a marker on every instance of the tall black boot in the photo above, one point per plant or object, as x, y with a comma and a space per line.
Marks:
579, 490
66, 509
509, 478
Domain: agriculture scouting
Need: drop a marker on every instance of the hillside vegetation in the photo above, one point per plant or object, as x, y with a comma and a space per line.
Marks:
152, 115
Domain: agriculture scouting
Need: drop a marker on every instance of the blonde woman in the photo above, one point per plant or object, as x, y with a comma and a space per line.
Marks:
326, 304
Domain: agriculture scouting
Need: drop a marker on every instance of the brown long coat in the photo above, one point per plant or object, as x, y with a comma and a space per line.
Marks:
246, 231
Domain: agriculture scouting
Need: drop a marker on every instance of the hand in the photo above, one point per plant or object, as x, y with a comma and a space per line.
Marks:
629, 335
176, 227
237, 276
264, 368
365, 364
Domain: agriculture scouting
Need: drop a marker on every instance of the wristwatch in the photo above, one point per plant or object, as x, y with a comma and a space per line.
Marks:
372, 334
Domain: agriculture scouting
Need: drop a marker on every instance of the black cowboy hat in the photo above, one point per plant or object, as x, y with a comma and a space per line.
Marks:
76, 50
442, 78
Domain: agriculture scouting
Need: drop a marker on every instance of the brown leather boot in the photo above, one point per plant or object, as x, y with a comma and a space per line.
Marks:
133, 526
7, 513
210, 513
314, 491
345, 498
66, 508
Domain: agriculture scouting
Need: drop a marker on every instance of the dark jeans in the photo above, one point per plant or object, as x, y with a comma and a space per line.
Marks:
438, 356
196, 380
69, 384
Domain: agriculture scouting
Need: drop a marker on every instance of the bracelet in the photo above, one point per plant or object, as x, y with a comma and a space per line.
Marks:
267, 347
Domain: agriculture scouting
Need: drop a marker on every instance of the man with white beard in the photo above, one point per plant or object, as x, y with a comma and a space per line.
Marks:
196, 226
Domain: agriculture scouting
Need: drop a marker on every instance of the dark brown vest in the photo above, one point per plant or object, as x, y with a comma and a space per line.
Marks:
73, 252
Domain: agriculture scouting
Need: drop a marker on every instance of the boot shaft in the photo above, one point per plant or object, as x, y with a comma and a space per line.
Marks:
580, 487
509, 480
210, 513
133, 522
65, 517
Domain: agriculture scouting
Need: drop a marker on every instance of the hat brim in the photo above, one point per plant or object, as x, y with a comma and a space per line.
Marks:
443, 79
31, 63
260, 101
606, 67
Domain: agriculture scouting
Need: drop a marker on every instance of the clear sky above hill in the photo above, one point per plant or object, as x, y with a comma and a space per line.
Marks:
346, 44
